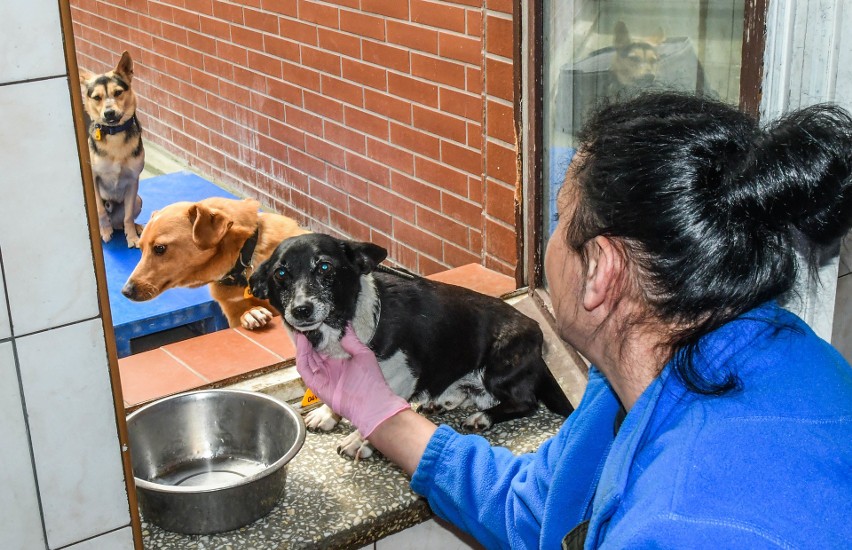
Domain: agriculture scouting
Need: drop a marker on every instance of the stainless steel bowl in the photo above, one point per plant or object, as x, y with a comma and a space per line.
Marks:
212, 460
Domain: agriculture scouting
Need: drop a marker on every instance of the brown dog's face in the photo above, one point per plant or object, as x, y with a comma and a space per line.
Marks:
177, 244
108, 97
635, 61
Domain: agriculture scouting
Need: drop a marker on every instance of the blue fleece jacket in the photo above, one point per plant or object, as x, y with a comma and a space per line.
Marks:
768, 465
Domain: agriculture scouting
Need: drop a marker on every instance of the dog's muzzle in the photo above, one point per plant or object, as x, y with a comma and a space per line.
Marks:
305, 315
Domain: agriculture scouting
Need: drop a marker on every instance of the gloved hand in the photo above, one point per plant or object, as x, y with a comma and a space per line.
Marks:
354, 388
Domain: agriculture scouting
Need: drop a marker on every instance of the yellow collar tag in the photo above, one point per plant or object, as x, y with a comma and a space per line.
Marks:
309, 400
247, 293
97, 134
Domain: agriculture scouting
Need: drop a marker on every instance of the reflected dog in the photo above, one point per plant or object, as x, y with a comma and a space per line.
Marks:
635, 62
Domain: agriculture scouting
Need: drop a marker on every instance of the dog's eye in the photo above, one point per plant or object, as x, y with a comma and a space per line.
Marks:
324, 267
117, 93
159, 249
279, 274
96, 97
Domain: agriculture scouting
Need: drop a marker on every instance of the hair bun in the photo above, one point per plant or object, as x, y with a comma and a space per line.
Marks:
799, 173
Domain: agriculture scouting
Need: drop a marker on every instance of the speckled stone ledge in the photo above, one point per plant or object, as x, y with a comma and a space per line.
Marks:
333, 502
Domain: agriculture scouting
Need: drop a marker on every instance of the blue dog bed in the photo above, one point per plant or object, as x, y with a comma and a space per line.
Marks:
177, 307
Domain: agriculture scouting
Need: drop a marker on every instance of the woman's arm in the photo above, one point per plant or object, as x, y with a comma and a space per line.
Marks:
403, 437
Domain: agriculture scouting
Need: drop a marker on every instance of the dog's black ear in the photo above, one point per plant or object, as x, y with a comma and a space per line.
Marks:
259, 280
365, 256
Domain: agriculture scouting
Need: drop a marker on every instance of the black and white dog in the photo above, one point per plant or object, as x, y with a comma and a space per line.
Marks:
438, 345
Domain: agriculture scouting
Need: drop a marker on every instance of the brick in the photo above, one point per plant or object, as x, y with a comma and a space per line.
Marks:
298, 31
473, 79
368, 75
415, 140
329, 195
412, 36
440, 124
442, 226
260, 20
417, 238
503, 6
320, 14
368, 169
501, 162
458, 47
284, 7
284, 91
219, 67
366, 122
323, 106
428, 266
383, 55
279, 47
303, 120
419, 192
362, 24
347, 226
389, 106
225, 11
462, 210
204, 81
173, 33
500, 201
342, 90
321, 60
474, 135
306, 163
389, 201
438, 14
438, 70
499, 36
499, 79
415, 90
215, 27
461, 157
265, 64
500, 120
246, 79
343, 136
501, 242
391, 156
473, 25
347, 182
359, 210
339, 42
200, 42
456, 256
441, 176
229, 52
301, 76
464, 105
266, 105
247, 37
390, 8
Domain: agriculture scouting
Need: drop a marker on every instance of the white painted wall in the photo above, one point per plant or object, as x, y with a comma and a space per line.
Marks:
61, 471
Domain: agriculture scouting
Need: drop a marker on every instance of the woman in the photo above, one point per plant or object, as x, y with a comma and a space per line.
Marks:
677, 226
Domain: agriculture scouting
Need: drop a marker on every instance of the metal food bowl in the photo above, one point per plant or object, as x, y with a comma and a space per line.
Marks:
212, 460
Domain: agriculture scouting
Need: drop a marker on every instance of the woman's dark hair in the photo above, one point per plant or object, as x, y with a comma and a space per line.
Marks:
706, 204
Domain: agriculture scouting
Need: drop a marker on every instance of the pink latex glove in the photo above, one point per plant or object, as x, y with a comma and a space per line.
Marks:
354, 388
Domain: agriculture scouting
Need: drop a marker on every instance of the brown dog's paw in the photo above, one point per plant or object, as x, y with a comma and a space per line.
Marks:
106, 234
255, 318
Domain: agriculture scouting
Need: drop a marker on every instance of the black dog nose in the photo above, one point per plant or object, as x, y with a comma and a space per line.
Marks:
129, 290
303, 311
110, 116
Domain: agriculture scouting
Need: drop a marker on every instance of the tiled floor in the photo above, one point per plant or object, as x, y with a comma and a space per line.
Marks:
230, 355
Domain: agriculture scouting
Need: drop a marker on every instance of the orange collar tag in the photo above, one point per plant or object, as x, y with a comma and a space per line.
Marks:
97, 134
310, 399
247, 293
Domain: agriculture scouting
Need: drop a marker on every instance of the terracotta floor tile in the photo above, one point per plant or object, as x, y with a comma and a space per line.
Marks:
154, 374
478, 278
222, 354
273, 337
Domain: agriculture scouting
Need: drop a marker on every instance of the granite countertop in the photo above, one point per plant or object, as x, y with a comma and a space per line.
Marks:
334, 502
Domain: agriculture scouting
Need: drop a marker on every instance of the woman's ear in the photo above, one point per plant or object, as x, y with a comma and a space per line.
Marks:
604, 274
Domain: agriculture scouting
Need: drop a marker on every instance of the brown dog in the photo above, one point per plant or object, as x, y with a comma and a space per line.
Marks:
215, 241
635, 61
115, 148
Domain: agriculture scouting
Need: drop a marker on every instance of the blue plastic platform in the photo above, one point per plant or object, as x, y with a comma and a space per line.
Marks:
175, 307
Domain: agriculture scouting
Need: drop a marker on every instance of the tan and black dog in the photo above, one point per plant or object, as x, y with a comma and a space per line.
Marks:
115, 148
215, 242
634, 64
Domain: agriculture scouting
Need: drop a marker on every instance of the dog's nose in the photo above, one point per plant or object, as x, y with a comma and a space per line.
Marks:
303, 312
129, 290
110, 115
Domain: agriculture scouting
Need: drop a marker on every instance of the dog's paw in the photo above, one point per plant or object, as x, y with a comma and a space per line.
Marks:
255, 318
106, 234
354, 446
322, 418
477, 422
132, 241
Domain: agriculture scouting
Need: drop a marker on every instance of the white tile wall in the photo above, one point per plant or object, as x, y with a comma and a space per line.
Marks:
20, 521
45, 237
61, 474
30, 40
73, 431
427, 535
5, 327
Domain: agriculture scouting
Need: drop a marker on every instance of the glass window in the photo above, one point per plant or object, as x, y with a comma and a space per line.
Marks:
614, 48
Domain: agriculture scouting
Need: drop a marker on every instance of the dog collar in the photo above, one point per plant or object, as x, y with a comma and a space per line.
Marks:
101, 129
237, 275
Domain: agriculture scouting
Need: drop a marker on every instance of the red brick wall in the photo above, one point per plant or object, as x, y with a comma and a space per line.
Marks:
381, 120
